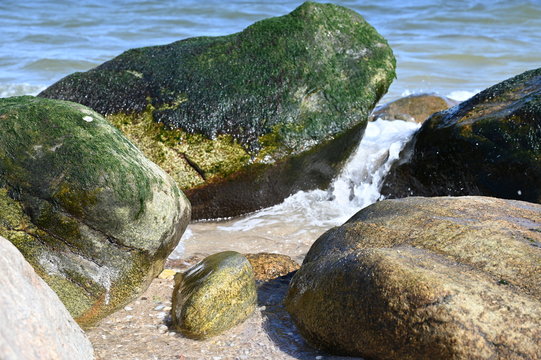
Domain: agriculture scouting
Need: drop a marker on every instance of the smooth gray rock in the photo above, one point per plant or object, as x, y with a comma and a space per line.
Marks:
34, 323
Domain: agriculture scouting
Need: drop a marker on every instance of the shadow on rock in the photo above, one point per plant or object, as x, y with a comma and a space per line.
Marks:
278, 324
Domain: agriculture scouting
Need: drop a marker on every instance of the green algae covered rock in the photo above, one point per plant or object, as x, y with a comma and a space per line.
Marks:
244, 120
488, 145
91, 214
425, 278
214, 295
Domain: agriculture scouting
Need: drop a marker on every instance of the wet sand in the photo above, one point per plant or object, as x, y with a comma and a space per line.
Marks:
143, 331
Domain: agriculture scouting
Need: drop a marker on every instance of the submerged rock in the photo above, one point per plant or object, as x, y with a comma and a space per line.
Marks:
93, 216
426, 278
35, 323
269, 266
242, 121
415, 108
488, 145
214, 295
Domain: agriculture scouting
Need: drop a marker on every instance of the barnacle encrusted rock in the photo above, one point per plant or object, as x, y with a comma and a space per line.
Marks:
244, 120
93, 216
214, 295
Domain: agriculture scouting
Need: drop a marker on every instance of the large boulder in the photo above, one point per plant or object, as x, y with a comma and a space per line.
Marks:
426, 278
93, 216
242, 121
488, 145
214, 295
35, 323
414, 108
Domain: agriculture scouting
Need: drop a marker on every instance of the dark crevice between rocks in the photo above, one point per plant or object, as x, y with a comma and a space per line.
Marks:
192, 164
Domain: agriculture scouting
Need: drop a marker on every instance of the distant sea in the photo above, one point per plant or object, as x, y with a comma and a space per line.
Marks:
440, 46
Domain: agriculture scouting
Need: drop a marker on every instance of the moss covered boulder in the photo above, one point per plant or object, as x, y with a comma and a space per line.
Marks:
488, 145
214, 295
244, 120
84, 206
426, 278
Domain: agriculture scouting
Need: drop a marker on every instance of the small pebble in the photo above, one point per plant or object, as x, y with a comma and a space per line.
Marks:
162, 329
128, 308
161, 315
159, 307
172, 333
319, 357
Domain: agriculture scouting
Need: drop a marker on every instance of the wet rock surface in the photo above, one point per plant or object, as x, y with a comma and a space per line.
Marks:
93, 216
425, 278
144, 330
415, 108
269, 266
242, 121
35, 323
214, 295
488, 145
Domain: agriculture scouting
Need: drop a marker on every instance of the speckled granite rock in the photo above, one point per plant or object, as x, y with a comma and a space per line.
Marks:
243, 121
214, 295
89, 212
35, 324
426, 278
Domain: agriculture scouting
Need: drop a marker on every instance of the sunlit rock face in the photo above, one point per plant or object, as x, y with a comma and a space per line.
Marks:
425, 278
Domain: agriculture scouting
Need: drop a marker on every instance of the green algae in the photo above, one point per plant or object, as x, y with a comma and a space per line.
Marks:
211, 110
214, 295
93, 216
191, 159
321, 66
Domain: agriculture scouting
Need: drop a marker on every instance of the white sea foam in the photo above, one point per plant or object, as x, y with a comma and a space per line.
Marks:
458, 95
290, 227
7, 90
462, 95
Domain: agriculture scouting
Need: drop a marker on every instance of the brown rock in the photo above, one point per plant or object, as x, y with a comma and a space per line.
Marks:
426, 278
414, 108
269, 266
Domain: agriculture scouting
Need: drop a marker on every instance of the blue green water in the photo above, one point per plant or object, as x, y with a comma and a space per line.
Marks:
441, 46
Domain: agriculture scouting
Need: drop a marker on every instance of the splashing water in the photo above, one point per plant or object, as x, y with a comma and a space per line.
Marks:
292, 226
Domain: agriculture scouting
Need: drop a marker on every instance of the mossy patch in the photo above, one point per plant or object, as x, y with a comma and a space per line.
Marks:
89, 212
214, 295
191, 159
212, 109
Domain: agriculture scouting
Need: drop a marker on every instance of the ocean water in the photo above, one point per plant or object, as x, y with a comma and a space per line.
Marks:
453, 48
